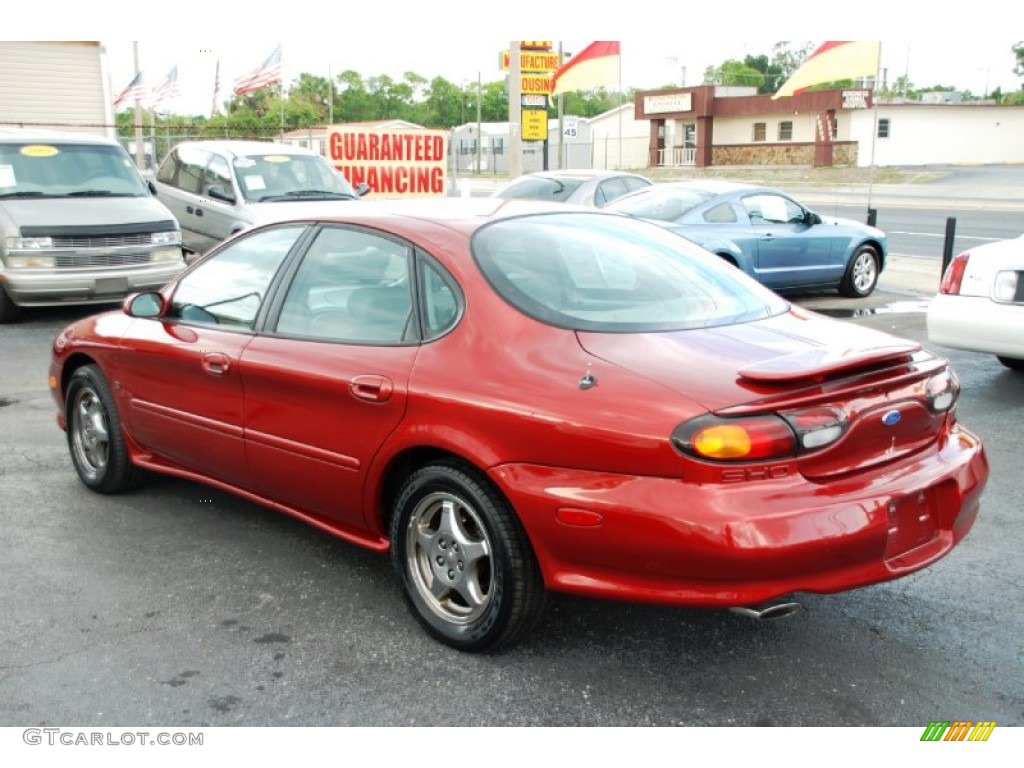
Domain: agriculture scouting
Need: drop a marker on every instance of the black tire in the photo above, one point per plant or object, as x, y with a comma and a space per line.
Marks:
465, 565
1013, 363
95, 438
9, 311
861, 273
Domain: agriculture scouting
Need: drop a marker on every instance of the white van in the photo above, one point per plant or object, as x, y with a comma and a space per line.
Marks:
78, 225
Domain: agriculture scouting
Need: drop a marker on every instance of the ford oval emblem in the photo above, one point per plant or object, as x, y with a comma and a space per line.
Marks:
891, 418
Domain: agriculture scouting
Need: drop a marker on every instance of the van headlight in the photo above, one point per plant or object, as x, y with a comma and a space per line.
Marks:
30, 261
167, 254
170, 237
29, 243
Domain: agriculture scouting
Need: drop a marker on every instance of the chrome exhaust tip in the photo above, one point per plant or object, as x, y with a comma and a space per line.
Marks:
775, 611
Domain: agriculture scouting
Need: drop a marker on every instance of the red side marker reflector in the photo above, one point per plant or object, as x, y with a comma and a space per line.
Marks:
579, 517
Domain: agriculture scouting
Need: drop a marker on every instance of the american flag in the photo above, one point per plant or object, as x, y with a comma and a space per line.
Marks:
167, 90
265, 74
136, 91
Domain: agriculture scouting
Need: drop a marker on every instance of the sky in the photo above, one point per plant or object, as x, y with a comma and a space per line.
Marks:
661, 42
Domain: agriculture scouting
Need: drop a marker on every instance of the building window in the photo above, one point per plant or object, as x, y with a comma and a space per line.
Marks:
883, 128
760, 132
786, 130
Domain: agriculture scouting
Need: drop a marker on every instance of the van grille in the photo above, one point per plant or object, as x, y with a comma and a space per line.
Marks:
77, 261
102, 241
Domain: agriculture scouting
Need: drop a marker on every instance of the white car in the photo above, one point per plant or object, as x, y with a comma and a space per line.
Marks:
980, 304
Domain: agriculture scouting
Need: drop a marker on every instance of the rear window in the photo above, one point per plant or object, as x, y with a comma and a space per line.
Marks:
600, 272
540, 188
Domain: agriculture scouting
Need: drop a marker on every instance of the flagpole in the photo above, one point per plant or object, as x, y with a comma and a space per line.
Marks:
620, 107
874, 133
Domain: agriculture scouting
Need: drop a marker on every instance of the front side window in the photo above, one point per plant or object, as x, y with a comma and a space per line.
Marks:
353, 286
593, 272
773, 209
228, 288
218, 173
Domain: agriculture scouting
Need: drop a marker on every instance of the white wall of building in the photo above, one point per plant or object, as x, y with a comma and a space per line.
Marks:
61, 85
940, 134
607, 151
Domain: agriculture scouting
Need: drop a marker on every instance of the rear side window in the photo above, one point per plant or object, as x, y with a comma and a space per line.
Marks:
353, 286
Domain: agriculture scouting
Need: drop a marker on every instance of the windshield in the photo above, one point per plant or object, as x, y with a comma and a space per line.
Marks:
661, 203
604, 272
285, 177
67, 170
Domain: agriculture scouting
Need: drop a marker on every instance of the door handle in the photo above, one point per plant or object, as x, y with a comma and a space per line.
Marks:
199, 211
216, 364
371, 388
188, 209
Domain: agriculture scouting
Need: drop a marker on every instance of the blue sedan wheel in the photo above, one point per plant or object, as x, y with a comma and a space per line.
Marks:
861, 275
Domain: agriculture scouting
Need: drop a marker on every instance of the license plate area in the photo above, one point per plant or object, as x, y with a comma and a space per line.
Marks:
913, 521
111, 286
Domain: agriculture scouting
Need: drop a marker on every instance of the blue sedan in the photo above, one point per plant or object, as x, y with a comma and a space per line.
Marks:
766, 233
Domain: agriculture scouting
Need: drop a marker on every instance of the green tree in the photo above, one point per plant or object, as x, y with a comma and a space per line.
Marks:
733, 72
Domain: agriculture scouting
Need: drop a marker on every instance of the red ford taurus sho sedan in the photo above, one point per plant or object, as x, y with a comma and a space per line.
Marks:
515, 397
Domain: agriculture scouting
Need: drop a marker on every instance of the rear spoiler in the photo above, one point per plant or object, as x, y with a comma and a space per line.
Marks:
817, 364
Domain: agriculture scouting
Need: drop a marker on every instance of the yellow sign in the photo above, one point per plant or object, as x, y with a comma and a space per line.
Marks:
539, 83
532, 61
39, 150
535, 125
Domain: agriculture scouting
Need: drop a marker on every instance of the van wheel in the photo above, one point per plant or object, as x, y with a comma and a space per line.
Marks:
9, 311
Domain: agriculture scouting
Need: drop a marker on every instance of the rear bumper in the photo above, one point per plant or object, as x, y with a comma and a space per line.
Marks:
662, 540
977, 324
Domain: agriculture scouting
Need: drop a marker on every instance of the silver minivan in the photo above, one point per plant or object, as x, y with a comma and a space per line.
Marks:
217, 188
78, 224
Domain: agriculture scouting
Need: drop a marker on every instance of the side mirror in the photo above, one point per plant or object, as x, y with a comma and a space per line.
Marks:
152, 187
813, 218
150, 304
362, 188
218, 192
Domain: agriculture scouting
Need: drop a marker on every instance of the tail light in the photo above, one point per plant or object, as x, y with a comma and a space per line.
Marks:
942, 391
759, 438
751, 438
954, 274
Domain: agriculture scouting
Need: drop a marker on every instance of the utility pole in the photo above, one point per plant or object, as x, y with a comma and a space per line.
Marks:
515, 110
561, 117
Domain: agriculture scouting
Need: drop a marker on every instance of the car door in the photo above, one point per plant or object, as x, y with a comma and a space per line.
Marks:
180, 188
328, 381
181, 370
216, 218
791, 250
